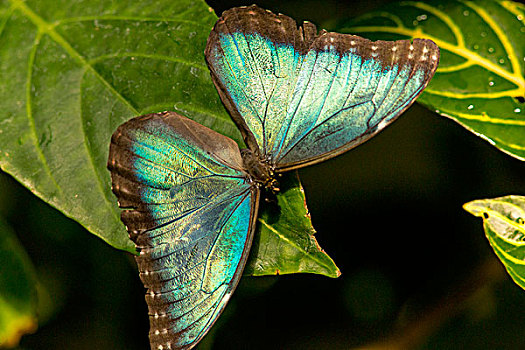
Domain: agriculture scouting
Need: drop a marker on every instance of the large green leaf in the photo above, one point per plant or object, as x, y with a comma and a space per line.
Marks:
72, 71
504, 224
18, 304
480, 79
286, 243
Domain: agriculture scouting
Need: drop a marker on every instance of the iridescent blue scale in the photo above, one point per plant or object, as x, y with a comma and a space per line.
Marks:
298, 97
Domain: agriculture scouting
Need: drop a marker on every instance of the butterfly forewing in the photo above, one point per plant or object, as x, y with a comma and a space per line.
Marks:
191, 213
300, 96
253, 56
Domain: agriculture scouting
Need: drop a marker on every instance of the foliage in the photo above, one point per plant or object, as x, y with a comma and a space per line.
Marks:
56, 140
18, 302
480, 80
504, 224
285, 242
72, 71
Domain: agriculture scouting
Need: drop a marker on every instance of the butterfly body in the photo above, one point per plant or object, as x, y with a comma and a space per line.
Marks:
298, 97
260, 171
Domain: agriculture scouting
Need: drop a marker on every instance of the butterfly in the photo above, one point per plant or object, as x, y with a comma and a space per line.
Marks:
191, 196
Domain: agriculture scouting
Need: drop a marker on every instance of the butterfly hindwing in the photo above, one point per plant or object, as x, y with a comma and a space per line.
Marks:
191, 212
300, 96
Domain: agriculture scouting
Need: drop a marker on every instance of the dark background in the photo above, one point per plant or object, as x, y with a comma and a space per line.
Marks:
417, 269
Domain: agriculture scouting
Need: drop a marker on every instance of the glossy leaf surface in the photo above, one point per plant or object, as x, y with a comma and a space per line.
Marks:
286, 242
17, 290
73, 71
504, 224
480, 80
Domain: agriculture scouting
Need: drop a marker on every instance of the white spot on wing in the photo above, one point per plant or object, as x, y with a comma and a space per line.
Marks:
381, 125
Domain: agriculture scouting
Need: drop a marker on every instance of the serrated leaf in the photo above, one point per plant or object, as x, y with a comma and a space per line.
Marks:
72, 71
286, 238
480, 80
504, 224
18, 302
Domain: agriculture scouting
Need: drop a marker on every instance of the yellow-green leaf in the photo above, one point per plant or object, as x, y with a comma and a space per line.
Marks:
18, 302
480, 80
504, 224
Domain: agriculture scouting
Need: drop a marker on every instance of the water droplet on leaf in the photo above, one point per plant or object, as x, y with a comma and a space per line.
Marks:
470, 107
517, 110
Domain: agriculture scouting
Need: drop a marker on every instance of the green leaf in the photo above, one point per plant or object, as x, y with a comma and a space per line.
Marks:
73, 71
504, 224
480, 79
18, 302
285, 242
76, 70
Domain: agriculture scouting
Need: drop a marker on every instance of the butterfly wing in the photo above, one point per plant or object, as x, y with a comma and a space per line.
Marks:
191, 213
299, 96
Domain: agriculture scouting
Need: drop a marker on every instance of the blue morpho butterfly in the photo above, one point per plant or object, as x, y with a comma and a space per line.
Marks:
298, 97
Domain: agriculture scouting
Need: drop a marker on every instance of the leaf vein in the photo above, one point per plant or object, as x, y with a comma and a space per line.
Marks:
442, 16
465, 95
91, 160
483, 117
501, 36
145, 55
29, 112
291, 243
6, 17
124, 18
